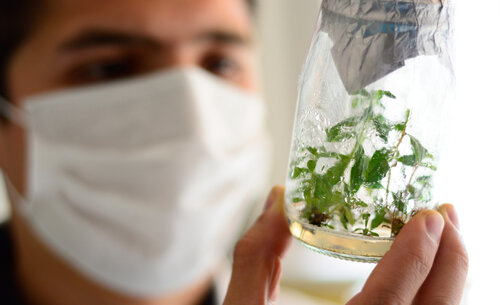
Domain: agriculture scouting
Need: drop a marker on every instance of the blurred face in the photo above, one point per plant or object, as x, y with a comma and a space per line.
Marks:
84, 42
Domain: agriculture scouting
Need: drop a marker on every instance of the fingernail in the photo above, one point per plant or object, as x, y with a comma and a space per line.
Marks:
269, 201
452, 216
434, 224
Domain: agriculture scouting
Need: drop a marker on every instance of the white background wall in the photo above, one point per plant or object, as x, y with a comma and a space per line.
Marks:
285, 29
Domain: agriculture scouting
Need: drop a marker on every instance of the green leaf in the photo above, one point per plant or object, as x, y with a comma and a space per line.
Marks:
347, 191
328, 155
388, 94
313, 151
425, 196
367, 114
350, 122
322, 187
377, 95
355, 102
343, 221
342, 130
400, 202
418, 150
297, 199
337, 171
348, 215
358, 169
411, 190
328, 226
306, 193
409, 160
359, 203
377, 220
429, 165
347, 123
298, 171
365, 231
424, 179
365, 217
374, 185
337, 134
338, 198
362, 92
378, 166
400, 126
382, 126
311, 165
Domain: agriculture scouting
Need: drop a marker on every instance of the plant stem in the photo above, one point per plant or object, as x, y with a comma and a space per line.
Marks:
403, 133
360, 138
396, 149
359, 141
411, 177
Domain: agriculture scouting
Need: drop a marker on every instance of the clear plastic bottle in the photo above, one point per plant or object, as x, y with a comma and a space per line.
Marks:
366, 140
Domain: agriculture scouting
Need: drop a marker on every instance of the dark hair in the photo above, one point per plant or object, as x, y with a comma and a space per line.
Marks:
17, 18
252, 4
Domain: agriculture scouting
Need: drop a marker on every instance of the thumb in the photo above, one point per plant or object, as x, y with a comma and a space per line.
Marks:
401, 272
257, 256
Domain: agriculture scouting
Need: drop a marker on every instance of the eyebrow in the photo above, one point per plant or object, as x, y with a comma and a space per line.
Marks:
93, 38
224, 37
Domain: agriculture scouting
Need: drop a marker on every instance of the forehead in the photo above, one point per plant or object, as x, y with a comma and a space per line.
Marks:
172, 19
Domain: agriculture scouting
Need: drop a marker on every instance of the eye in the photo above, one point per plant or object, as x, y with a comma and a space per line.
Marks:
223, 66
105, 70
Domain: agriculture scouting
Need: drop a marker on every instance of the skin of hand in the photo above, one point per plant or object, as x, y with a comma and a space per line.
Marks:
427, 263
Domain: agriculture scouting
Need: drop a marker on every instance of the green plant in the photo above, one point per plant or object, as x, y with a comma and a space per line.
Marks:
355, 189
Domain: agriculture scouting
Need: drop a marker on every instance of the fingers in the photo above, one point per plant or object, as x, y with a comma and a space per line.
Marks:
446, 281
400, 273
257, 256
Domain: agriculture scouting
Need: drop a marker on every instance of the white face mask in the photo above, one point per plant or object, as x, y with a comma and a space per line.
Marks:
143, 185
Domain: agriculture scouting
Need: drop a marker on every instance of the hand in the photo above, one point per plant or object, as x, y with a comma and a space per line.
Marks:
427, 263
257, 256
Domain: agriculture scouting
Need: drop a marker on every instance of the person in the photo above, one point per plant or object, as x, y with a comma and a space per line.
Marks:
133, 146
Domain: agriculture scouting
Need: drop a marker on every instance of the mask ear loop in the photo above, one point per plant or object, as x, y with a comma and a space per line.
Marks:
18, 117
18, 201
12, 113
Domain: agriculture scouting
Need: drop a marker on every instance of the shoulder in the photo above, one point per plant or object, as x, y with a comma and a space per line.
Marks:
8, 287
6, 253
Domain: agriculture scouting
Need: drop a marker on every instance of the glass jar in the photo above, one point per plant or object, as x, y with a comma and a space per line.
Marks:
369, 120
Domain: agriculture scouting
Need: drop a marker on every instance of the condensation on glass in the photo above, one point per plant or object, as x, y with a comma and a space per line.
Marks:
372, 101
